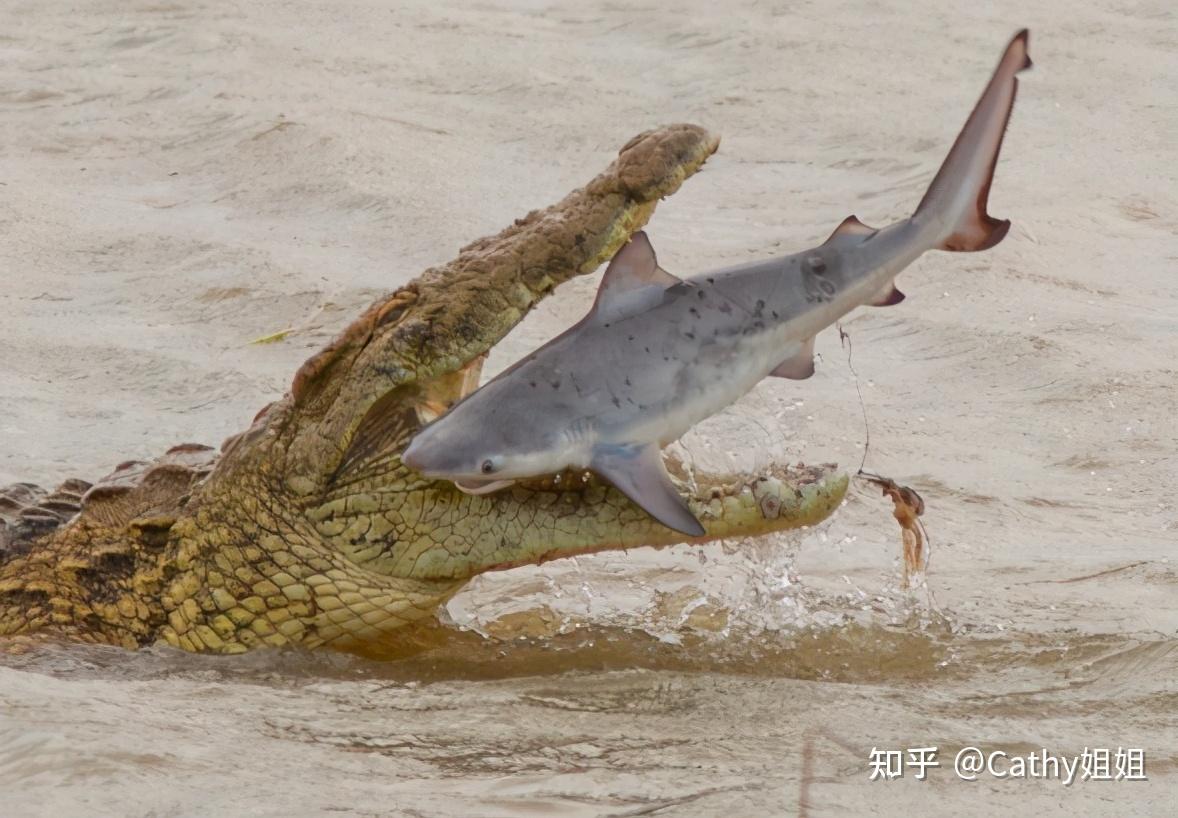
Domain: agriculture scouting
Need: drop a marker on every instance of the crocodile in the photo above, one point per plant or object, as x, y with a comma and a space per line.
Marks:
307, 530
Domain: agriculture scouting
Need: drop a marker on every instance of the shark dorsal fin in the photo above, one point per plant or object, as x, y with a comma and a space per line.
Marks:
632, 280
851, 226
634, 266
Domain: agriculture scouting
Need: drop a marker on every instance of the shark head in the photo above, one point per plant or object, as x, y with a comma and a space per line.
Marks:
481, 453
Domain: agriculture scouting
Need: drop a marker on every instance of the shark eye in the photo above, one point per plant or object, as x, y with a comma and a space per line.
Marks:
488, 467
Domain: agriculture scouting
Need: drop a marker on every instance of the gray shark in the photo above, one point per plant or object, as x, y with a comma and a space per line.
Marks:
658, 353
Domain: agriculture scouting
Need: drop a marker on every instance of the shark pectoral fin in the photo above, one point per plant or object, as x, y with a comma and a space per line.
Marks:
632, 280
638, 473
888, 297
797, 367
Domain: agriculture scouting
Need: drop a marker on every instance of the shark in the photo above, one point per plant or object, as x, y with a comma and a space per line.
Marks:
658, 353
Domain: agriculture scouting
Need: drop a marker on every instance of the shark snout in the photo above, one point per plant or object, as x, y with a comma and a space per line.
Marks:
415, 455
434, 454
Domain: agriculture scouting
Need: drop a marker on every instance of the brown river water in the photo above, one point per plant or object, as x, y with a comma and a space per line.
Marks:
179, 178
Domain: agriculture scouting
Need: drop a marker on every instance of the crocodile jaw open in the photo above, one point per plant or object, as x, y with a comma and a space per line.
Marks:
310, 531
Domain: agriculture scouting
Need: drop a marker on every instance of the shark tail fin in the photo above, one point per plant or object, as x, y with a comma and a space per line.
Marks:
956, 199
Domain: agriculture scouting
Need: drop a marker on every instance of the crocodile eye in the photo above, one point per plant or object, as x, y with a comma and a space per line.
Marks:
488, 467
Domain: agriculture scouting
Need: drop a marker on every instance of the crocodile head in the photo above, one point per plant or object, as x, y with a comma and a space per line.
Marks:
310, 530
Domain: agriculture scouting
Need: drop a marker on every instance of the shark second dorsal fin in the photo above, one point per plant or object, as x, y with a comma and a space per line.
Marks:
632, 280
851, 226
638, 472
887, 297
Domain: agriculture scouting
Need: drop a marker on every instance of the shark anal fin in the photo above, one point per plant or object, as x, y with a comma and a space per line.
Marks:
638, 472
799, 366
851, 226
888, 297
632, 280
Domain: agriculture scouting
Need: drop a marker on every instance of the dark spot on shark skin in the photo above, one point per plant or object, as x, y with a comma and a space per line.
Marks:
701, 295
647, 350
760, 308
693, 311
628, 381
773, 313
617, 403
711, 280
629, 337
726, 308
532, 384
818, 287
555, 384
690, 335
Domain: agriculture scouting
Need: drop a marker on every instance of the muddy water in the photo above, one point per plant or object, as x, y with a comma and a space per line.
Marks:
179, 179
600, 722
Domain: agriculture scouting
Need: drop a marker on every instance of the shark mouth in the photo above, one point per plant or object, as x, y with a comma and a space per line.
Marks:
477, 487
